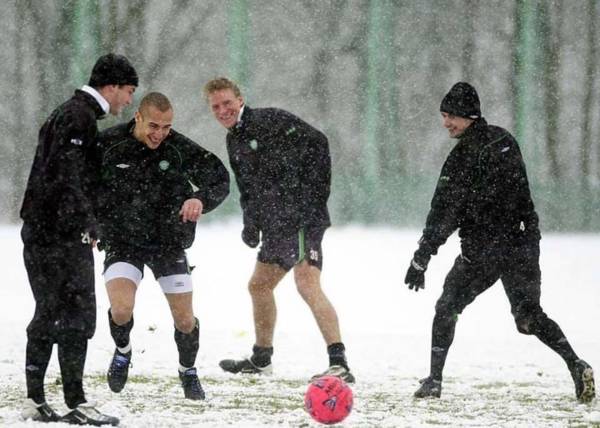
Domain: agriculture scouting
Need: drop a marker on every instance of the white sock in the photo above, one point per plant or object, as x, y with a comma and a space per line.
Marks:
125, 349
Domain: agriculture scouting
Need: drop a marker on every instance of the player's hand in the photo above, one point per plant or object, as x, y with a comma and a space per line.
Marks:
191, 210
415, 276
251, 236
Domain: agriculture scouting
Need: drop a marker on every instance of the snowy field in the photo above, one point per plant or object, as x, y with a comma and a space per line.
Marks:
494, 376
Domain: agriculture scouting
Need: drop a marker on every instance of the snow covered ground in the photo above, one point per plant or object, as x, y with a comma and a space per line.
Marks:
494, 376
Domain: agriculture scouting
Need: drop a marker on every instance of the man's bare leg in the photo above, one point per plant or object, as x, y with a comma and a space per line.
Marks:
308, 283
261, 286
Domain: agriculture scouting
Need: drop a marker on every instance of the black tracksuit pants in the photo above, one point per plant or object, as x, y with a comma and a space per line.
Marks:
61, 275
517, 266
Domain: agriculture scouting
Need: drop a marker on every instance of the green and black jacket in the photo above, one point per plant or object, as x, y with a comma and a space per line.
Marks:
142, 190
57, 205
283, 170
483, 192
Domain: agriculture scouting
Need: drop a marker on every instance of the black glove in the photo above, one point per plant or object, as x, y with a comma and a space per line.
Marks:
251, 236
415, 276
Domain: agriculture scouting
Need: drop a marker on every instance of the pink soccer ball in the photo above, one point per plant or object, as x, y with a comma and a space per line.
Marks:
328, 400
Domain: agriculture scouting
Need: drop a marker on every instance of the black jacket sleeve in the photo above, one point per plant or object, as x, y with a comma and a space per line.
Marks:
247, 202
207, 177
448, 201
74, 140
308, 149
315, 173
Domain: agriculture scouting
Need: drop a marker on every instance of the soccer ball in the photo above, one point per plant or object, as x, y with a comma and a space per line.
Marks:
328, 400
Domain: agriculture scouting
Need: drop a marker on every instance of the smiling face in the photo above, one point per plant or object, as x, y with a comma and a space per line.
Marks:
225, 106
455, 125
152, 126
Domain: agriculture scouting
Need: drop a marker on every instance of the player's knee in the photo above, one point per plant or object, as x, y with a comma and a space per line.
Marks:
445, 319
185, 324
258, 288
307, 287
122, 313
524, 325
527, 324
530, 323
445, 310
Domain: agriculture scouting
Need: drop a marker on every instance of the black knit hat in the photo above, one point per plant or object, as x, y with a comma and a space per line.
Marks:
113, 69
462, 100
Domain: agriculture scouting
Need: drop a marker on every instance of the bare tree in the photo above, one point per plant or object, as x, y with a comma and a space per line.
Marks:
468, 49
551, 23
591, 68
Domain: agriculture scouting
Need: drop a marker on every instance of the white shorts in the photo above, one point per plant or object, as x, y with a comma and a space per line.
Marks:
170, 284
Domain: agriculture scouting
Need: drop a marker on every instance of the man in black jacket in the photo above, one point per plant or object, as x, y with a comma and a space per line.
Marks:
484, 193
283, 171
155, 184
59, 231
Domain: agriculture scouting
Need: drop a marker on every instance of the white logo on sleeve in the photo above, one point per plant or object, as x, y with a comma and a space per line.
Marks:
123, 166
76, 141
505, 149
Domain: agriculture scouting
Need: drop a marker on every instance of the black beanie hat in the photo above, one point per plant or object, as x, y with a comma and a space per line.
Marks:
111, 69
462, 100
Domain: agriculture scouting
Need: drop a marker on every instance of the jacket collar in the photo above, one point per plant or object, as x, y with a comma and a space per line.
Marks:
92, 102
98, 97
473, 129
245, 114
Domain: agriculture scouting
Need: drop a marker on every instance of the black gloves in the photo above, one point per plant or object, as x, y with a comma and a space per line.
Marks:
415, 276
251, 236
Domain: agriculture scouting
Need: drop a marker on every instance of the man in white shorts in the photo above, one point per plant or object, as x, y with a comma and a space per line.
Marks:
155, 184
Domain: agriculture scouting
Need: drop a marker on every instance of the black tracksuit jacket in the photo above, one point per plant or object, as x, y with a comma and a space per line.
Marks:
283, 170
482, 191
57, 211
57, 204
142, 190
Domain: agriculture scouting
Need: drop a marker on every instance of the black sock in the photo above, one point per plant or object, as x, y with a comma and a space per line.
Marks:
120, 333
188, 345
438, 359
72, 351
337, 355
261, 356
37, 356
552, 336
442, 336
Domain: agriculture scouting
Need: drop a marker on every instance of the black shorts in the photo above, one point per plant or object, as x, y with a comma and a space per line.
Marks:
161, 263
291, 249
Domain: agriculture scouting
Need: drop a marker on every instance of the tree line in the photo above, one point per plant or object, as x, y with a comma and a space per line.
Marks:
369, 73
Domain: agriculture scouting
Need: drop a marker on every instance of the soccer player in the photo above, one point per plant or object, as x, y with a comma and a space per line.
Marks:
59, 231
283, 171
484, 193
155, 185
